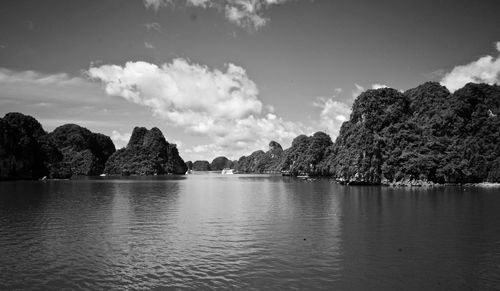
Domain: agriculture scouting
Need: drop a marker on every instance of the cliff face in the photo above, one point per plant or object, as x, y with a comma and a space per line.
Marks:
147, 153
201, 166
220, 163
305, 154
260, 161
26, 152
251, 163
84, 151
425, 133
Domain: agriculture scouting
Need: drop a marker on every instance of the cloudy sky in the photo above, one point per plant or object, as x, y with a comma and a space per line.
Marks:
224, 77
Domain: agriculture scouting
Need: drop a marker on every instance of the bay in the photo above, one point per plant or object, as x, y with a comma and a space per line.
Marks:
258, 232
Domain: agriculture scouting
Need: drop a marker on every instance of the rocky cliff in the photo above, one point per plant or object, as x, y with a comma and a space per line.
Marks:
260, 161
26, 152
220, 163
425, 134
201, 166
306, 154
147, 153
84, 151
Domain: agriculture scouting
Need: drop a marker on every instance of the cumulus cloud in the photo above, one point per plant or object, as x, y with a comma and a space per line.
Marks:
222, 105
120, 139
333, 114
245, 13
485, 70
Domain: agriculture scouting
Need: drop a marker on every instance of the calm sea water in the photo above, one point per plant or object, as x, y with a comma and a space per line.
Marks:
246, 232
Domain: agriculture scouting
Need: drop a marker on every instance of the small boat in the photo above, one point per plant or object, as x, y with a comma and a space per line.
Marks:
102, 175
227, 171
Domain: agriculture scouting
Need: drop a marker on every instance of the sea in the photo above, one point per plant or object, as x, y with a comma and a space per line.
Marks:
246, 232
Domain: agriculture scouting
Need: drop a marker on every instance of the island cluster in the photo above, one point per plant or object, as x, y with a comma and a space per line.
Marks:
424, 135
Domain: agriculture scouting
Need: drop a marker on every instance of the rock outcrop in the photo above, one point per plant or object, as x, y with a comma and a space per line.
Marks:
84, 151
262, 162
249, 164
26, 152
424, 134
220, 163
306, 154
147, 153
201, 166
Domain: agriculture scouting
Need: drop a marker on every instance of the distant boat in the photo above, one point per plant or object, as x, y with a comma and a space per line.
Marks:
303, 176
227, 171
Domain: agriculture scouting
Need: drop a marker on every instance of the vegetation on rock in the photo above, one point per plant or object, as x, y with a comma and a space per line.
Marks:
220, 163
84, 151
147, 153
26, 152
201, 166
425, 133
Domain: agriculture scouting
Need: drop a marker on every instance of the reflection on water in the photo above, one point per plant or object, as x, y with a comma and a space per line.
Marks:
246, 232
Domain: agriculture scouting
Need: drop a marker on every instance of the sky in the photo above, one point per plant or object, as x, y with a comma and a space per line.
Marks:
225, 77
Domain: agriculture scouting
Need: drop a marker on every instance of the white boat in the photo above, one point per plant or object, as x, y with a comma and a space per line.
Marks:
303, 176
227, 171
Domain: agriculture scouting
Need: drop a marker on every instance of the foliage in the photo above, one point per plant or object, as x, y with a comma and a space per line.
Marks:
147, 153
220, 163
201, 166
86, 152
425, 133
26, 152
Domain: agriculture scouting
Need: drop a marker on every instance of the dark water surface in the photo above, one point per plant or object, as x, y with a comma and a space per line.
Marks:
246, 232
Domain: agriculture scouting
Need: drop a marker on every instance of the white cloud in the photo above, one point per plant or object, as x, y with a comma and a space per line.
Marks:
379, 86
120, 139
9, 76
55, 99
149, 45
153, 26
333, 114
485, 70
184, 94
222, 105
244, 13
